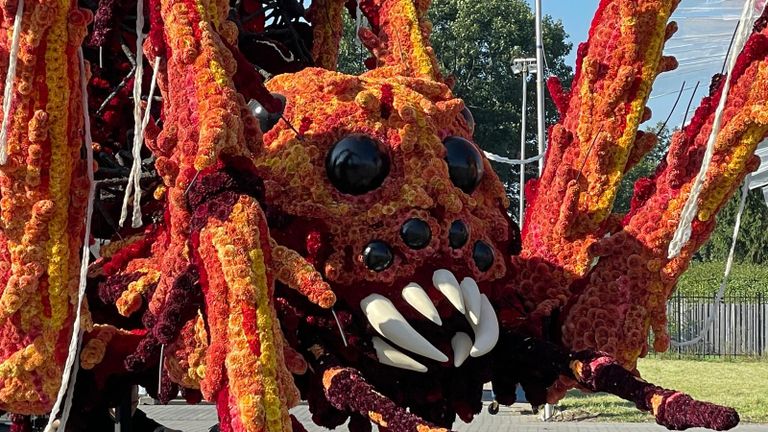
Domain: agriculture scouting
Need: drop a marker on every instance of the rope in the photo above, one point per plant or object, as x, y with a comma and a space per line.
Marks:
341, 329
9, 78
136, 220
728, 264
358, 23
138, 133
683, 231
160, 369
72, 365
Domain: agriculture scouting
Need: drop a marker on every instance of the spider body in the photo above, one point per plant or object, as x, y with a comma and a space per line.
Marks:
341, 238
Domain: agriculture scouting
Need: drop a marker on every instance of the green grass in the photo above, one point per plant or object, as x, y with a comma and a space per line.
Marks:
738, 384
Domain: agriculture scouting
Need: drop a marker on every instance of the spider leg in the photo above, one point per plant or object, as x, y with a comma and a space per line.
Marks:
595, 142
245, 367
625, 294
347, 390
537, 365
672, 409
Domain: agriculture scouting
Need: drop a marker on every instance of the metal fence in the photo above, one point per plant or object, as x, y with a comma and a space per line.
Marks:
740, 326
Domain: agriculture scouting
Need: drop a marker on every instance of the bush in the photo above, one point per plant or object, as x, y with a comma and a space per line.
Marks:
703, 279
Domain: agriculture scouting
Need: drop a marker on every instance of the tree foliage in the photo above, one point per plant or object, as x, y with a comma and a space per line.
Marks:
351, 51
703, 279
752, 243
476, 43
644, 168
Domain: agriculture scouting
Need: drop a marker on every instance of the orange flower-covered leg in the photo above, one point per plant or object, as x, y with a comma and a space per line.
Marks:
44, 194
245, 366
626, 292
592, 145
325, 16
399, 37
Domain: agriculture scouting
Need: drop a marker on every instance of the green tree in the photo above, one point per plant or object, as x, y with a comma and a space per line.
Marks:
645, 168
352, 53
476, 43
752, 244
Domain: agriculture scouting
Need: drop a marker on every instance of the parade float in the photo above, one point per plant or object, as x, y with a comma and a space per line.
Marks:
333, 238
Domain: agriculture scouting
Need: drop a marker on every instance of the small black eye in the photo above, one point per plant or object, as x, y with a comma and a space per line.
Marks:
377, 256
483, 255
458, 234
357, 164
415, 233
469, 118
267, 120
465, 165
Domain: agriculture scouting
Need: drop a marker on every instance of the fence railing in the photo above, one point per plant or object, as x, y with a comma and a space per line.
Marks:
740, 326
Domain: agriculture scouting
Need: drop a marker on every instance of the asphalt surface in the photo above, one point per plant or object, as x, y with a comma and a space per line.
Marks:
200, 418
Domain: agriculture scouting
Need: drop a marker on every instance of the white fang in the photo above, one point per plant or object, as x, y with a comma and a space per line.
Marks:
446, 283
415, 296
471, 295
461, 344
391, 324
390, 356
487, 331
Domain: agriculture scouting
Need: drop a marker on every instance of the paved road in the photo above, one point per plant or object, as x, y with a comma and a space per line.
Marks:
199, 418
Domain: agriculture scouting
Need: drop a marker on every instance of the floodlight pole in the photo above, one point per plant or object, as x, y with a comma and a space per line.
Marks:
524, 67
540, 86
540, 118
521, 210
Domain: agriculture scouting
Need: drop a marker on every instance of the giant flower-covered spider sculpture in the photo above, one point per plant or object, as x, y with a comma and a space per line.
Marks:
340, 238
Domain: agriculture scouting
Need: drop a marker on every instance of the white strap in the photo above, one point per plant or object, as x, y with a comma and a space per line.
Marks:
136, 219
9, 78
504, 160
728, 264
683, 232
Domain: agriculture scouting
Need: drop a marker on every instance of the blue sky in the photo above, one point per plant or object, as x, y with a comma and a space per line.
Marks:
705, 28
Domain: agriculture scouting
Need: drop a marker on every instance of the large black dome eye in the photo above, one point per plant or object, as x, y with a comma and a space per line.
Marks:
357, 164
415, 233
267, 120
465, 165
377, 256
469, 118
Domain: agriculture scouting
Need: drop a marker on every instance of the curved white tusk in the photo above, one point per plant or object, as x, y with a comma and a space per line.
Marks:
415, 296
471, 295
487, 331
389, 322
390, 356
461, 344
446, 283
